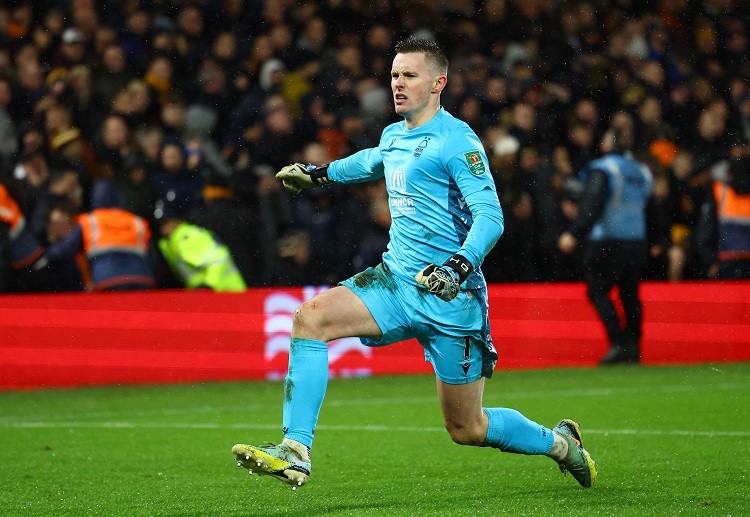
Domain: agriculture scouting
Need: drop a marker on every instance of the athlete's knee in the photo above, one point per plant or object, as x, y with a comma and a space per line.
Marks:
307, 322
466, 433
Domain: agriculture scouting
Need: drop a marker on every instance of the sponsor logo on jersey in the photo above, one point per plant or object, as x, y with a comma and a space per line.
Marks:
402, 206
475, 163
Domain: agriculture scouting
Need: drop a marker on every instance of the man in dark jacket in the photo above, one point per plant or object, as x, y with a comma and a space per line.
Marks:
723, 229
612, 217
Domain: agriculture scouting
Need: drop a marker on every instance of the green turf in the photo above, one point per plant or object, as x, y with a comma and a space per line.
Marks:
668, 441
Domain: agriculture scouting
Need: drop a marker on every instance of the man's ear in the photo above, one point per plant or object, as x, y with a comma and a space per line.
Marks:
439, 84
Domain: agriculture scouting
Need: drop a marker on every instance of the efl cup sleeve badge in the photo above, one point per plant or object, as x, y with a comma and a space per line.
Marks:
475, 163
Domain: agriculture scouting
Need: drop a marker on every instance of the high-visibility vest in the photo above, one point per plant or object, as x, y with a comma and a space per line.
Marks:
200, 260
733, 216
10, 214
630, 184
25, 250
112, 229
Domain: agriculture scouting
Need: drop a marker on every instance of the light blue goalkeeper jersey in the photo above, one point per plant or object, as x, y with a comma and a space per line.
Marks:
441, 194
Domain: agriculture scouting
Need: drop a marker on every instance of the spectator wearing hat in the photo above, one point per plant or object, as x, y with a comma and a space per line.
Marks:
56, 84
70, 146
71, 51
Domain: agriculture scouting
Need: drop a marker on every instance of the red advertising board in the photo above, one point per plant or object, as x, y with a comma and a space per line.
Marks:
61, 340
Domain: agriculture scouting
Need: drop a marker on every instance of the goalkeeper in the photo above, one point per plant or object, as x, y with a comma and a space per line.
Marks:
429, 286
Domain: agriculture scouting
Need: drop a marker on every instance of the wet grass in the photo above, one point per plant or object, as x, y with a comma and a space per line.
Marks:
667, 441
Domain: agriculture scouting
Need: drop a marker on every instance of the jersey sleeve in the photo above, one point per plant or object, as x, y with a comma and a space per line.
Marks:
487, 227
362, 166
468, 166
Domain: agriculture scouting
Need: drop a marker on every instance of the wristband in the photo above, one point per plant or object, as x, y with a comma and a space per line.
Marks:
460, 265
318, 174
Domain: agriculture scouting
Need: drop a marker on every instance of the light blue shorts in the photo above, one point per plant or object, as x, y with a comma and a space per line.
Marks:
455, 335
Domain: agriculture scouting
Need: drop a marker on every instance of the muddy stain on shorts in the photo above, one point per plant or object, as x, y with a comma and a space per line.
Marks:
364, 279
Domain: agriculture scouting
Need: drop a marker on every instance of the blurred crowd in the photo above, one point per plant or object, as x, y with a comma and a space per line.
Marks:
182, 111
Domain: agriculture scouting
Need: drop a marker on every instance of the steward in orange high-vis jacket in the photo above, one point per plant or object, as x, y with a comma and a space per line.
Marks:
115, 241
723, 231
25, 256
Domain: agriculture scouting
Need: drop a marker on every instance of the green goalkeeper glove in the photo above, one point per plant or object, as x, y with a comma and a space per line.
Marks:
444, 281
297, 176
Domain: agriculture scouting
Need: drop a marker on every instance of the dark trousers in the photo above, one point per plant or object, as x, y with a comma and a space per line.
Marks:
619, 263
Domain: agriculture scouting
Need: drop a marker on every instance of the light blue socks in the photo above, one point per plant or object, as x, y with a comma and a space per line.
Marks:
307, 380
304, 388
510, 431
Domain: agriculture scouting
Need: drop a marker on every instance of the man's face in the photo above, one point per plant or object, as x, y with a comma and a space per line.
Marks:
172, 158
59, 223
114, 132
412, 83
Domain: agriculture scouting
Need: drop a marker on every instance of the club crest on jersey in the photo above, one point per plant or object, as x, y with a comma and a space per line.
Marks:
475, 163
421, 147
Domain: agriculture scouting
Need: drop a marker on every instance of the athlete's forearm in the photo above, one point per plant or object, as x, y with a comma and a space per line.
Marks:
486, 229
362, 166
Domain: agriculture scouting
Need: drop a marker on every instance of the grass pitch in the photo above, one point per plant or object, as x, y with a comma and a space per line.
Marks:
668, 441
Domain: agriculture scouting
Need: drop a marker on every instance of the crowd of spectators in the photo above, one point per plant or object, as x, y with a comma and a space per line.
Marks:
194, 105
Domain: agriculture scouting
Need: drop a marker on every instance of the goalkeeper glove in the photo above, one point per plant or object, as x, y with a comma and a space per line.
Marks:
444, 281
297, 176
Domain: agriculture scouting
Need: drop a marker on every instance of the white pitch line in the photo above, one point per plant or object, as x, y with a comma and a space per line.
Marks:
492, 393
344, 428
